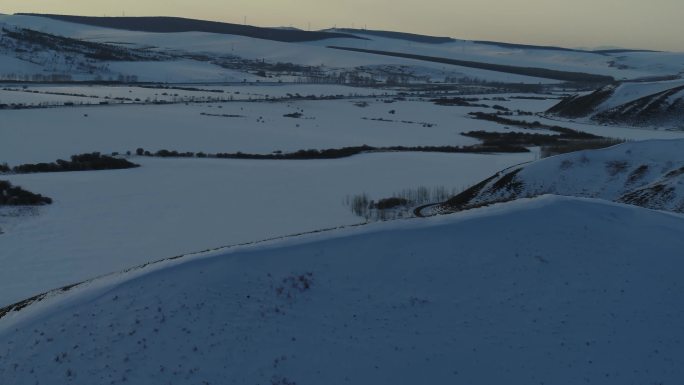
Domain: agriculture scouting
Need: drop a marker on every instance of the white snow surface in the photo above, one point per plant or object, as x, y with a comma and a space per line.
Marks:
106, 221
552, 290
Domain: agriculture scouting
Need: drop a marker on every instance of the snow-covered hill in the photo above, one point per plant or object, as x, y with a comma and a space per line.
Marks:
573, 291
245, 53
648, 174
647, 104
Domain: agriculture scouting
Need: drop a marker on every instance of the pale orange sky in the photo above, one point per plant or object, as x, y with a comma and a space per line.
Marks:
653, 24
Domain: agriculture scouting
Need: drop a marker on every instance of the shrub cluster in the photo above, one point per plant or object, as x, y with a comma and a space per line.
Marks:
337, 153
16, 196
567, 140
400, 205
460, 102
566, 132
390, 203
82, 162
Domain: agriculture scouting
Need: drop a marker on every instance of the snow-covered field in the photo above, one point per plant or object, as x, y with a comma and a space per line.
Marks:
30, 135
106, 221
572, 291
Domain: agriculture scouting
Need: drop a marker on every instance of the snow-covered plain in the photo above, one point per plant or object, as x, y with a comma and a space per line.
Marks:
573, 291
30, 135
106, 221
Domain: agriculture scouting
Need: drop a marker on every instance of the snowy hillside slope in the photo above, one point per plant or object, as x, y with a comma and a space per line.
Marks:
629, 92
317, 53
648, 174
573, 291
649, 104
29, 55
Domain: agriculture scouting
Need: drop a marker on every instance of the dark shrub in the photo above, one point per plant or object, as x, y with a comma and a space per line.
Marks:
82, 162
16, 196
390, 203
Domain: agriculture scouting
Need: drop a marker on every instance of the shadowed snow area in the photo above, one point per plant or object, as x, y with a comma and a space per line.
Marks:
571, 291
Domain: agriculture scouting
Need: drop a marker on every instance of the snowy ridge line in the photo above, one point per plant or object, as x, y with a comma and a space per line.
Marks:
18, 306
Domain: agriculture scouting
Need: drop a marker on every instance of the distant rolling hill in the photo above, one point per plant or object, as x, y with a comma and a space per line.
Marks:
220, 51
177, 24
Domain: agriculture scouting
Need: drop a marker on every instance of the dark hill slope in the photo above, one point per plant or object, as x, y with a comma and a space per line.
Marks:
400, 36
178, 24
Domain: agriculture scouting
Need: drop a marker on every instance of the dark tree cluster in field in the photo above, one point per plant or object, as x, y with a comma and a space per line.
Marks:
336, 153
514, 138
459, 102
567, 132
567, 140
390, 203
16, 196
83, 162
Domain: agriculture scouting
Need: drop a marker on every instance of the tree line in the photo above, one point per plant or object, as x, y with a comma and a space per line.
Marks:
83, 162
